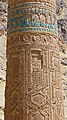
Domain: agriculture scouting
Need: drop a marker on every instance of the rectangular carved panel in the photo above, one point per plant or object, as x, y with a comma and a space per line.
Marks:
36, 68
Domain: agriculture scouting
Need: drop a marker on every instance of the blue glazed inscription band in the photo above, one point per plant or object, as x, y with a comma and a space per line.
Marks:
33, 18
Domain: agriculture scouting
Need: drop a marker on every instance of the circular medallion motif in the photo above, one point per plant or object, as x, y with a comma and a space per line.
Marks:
37, 38
27, 38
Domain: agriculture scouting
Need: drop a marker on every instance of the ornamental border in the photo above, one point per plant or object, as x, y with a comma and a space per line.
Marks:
41, 30
31, 4
38, 25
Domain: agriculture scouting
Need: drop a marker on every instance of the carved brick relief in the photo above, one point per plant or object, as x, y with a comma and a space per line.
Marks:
37, 85
33, 87
37, 68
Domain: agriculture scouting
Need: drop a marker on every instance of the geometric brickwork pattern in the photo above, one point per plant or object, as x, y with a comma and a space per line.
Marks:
33, 88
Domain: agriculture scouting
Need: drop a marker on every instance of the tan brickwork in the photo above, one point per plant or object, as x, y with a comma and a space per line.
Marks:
33, 90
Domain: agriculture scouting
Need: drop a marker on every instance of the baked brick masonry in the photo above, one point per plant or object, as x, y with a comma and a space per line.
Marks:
33, 85
61, 10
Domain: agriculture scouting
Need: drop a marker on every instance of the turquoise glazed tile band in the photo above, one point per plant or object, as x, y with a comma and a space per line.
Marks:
32, 17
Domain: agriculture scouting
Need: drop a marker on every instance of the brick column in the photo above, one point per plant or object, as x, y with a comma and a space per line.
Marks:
33, 88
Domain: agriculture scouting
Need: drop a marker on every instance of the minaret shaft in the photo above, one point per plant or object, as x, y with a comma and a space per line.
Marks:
33, 88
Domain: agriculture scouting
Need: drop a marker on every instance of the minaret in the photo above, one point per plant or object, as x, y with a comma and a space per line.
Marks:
33, 86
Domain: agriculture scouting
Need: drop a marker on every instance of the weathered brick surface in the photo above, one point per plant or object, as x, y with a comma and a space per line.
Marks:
34, 86
64, 80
